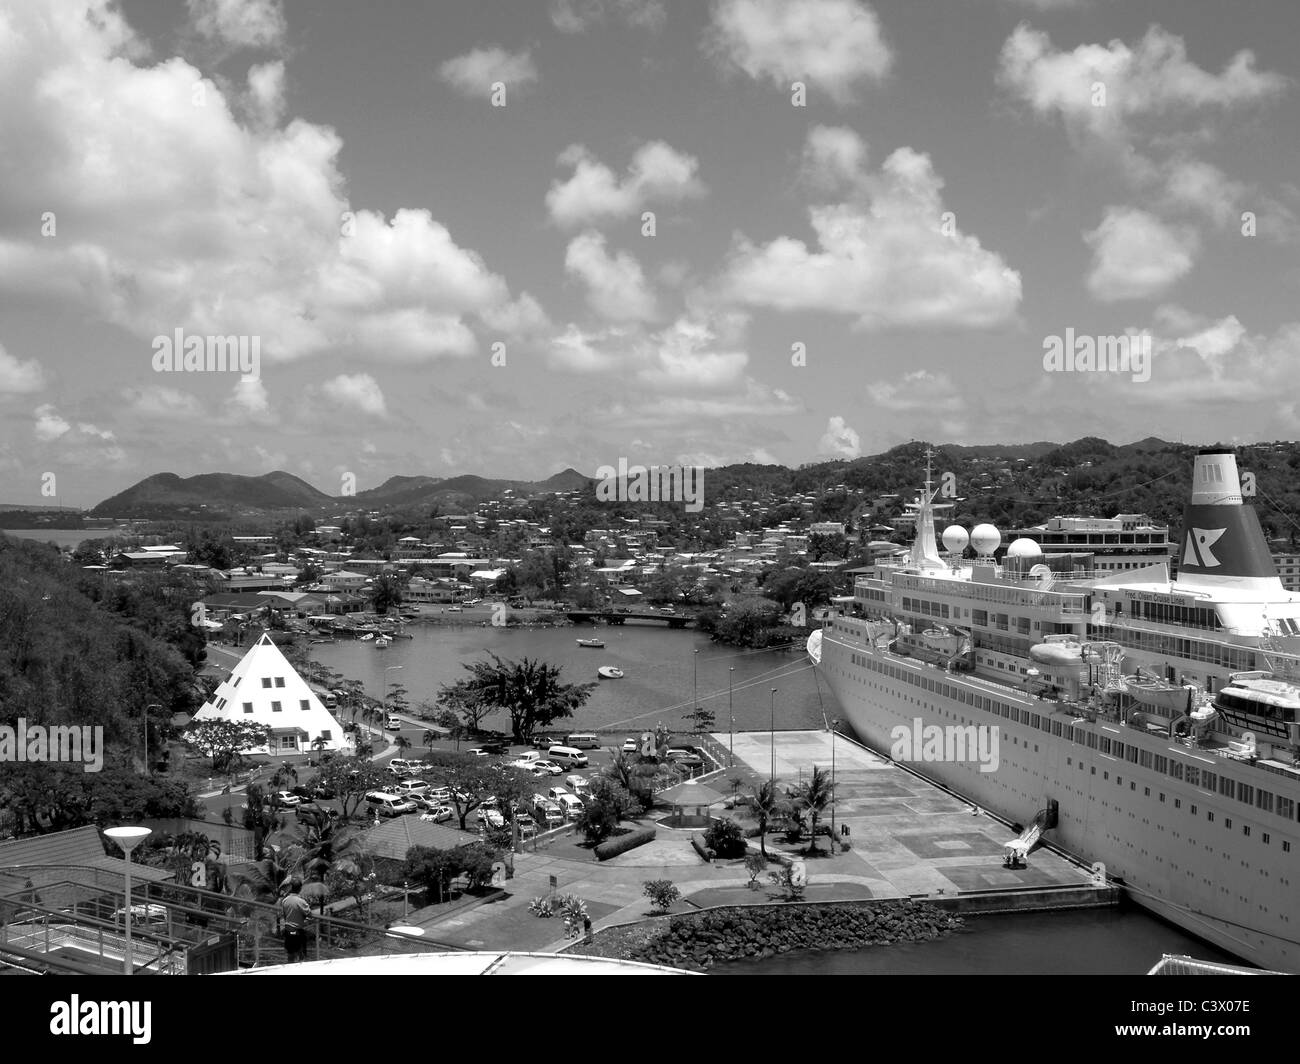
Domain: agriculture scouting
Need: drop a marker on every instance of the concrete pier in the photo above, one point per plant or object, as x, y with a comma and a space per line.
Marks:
911, 838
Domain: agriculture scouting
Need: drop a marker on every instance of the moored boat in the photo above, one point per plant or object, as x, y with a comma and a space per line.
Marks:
595, 643
609, 672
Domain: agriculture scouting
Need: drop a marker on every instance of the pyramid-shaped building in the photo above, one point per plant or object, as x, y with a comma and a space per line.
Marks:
265, 689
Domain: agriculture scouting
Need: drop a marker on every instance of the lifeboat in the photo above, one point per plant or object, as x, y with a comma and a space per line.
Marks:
1058, 650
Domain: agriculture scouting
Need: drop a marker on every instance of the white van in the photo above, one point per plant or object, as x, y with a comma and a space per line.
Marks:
571, 806
578, 784
567, 756
389, 804
582, 741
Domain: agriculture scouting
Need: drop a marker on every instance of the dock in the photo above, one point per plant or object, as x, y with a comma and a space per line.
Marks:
911, 838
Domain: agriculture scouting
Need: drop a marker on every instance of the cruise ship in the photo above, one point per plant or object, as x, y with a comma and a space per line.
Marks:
1146, 724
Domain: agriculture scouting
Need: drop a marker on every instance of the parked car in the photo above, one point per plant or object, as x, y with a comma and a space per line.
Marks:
389, 804
393, 724
491, 817
681, 757
410, 788
439, 813
478, 751
631, 745
549, 768
495, 747
288, 798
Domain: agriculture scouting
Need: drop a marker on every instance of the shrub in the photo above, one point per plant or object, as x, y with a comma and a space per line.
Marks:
702, 848
726, 838
661, 893
622, 843
845, 846
609, 803
543, 906
755, 865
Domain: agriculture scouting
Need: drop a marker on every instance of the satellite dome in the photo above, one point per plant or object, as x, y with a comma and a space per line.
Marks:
955, 538
985, 539
1024, 548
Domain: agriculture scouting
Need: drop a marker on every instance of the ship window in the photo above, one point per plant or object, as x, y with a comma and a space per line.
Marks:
1193, 810
248, 707
237, 679
1131, 753
1104, 745
1227, 822
1245, 793
1092, 740
1117, 748
1245, 830
1193, 775
1209, 816
304, 705
1176, 770
1145, 759
275, 707
1266, 837
1034, 719
1056, 727
1285, 807
266, 681
1264, 799
1226, 786
1286, 846
1162, 796
1209, 780
1161, 764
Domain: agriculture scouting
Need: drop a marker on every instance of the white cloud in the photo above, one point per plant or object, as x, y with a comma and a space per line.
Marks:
918, 392
1136, 256
882, 256
359, 391
840, 440
474, 73
834, 160
1152, 78
19, 378
50, 425
616, 286
828, 44
242, 23
578, 16
188, 217
249, 402
594, 193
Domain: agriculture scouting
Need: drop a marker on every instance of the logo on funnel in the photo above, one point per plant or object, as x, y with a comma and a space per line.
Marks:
1199, 542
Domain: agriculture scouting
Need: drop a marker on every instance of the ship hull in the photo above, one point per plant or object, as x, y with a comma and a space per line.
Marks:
1213, 865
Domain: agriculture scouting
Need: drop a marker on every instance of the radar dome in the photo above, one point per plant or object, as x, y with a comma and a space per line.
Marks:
985, 539
955, 538
1024, 548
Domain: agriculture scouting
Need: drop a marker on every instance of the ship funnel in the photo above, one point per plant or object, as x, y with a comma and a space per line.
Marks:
1223, 544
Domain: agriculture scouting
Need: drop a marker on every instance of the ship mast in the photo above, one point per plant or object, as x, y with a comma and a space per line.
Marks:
925, 549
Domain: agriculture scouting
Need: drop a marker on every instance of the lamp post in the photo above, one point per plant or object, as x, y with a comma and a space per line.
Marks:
696, 707
128, 838
772, 770
835, 727
731, 716
387, 669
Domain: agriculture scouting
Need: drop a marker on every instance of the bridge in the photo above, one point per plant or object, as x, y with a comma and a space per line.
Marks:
619, 616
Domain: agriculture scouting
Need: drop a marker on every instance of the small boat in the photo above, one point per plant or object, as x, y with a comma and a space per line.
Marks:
368, 635
596, 643
1058, 650
608, 672
1169, 698
381, 642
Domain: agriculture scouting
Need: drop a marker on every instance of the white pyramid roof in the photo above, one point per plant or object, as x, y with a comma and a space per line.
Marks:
263, 680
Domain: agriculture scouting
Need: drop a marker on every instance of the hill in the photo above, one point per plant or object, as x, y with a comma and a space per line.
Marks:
212, 495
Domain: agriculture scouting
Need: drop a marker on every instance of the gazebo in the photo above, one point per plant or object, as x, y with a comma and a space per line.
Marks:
693, 796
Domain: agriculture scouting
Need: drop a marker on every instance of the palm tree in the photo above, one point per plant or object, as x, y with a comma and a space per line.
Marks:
429, 738
814, 795
766, 807
402, 743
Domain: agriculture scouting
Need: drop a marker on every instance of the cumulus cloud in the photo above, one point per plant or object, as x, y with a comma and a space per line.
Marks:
160, 402
240, 23
49, 424
578, 16
188, 217
1136, 256
1154, 77
832, 45
593, 193
357, 391
19, 378
840, 440
834, 160
473, 73
616, 286
883, 255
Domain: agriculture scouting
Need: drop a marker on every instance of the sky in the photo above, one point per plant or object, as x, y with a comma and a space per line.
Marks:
506, 237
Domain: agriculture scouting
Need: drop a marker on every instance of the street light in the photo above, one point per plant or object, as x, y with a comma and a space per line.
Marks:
128, 838
772, 771
835, 726
387, 669
696, 707
731, 730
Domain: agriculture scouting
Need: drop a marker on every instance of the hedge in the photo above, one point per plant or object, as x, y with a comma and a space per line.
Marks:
698, 842
622, 843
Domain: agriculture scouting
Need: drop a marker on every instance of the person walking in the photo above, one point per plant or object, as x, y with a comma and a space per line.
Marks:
295, 912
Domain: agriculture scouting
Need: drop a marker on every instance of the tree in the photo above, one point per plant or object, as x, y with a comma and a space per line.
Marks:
725, 838
351, 779
222, 740
661, 892
465, 705
471, 782
766, 807
402, 743
813, 795
529, 690
386, 592
608, 803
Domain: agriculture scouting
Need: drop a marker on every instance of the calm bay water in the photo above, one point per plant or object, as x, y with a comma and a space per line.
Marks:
1080, 942
658, 665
